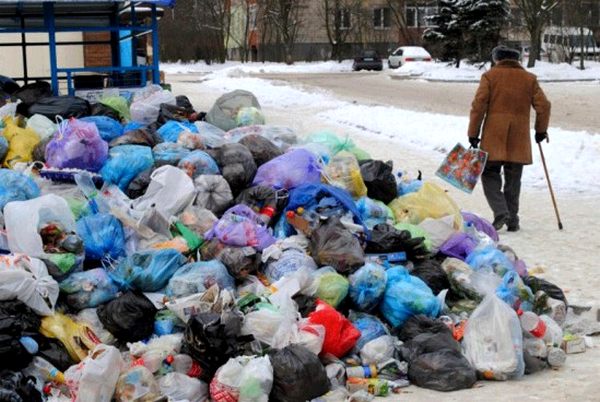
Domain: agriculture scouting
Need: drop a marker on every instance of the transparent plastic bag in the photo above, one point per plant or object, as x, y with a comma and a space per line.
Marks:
198, 163
88, 289
493, 341
489, 259
16, 186
198, 277
27, 279
244, 379
43, 126
168, 153
289, 170
212, 136
343, 171
146, 103
248, 116
172, 129
137, 384
378, 350
77, 145
213, 193
180, 387
374, 212
290, 261
271, 325
431, 201
89, 317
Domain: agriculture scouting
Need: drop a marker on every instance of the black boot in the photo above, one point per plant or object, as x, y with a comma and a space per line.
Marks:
499, 222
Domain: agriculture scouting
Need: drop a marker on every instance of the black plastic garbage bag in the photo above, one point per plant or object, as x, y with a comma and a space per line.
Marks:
380, 180
54, 352
173, 112
431, 272
100, 109
39, 151
184, 102
140, 136
211, 339
536, 284
64, 106
420, 324
240, 261
129, 317
237, 166
263, 200
139, 185
334, 245
444, 370
15, 387
387, 239
261, 148
306, 304
298, 375
31, 93
435, 361
8, 85
16, 320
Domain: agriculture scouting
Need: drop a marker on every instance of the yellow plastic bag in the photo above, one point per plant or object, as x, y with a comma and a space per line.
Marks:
431, 201
79, 339
21, 142
343, 171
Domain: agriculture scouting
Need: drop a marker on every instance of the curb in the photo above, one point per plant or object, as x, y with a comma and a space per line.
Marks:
417, 77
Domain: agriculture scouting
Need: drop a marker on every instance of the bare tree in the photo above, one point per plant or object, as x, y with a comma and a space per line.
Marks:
285, 17
240, 28
339, 18
536, 14
578, 17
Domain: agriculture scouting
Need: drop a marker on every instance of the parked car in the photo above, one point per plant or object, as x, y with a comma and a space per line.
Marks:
406, 54
367, 60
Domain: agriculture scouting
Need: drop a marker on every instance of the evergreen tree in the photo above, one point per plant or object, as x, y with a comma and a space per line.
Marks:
468, 28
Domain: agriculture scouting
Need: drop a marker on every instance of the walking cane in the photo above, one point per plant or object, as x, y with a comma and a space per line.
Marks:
560, 225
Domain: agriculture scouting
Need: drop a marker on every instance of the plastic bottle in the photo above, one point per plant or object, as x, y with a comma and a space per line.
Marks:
532, 324
556, 357
554, 334
152, 360
373, 386
45, 371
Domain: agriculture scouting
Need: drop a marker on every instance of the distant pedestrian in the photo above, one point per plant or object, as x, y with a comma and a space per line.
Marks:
503, 104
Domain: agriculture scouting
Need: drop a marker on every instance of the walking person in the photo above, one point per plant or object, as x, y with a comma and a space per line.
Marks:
503, 104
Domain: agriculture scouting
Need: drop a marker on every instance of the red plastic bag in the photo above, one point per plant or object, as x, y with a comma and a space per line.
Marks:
340, 334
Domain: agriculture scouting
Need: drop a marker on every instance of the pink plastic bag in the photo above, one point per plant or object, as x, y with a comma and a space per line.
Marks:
77, 145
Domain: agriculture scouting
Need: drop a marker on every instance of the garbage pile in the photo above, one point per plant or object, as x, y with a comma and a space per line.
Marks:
153, 251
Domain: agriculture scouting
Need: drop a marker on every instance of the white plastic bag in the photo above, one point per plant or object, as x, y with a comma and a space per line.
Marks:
250, 377
439, 230
95, 378
27, 279
170, 191
43, 126
493, 341
8, 110
180, 387
378, 350
23, 220
89, 316
273, 325
146, 104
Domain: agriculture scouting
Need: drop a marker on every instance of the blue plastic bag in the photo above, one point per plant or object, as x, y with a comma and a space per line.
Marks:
102, 236
132, 125
125, 162
168, 153
89, 289
108, 128
15, 186
290, 261
370, 328
374, 212
197, 163
197, 277
367, 286
490, 259
148, 271
3, 148
514, 292
170, 131
405, 296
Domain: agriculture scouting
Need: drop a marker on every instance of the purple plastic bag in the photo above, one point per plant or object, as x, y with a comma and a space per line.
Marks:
289, 170
77, 145
240, 226
481, 224
459, 245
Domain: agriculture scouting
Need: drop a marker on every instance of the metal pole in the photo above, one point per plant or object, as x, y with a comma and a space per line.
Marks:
155, 51
51, 28
24, 50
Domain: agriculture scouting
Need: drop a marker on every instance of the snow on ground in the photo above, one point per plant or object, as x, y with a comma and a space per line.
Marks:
572, 155
468, 72
258, 68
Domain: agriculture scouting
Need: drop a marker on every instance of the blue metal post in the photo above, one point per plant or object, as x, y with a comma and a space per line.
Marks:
155, 51
51, 28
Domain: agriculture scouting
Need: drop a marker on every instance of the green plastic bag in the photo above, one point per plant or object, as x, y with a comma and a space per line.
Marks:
416, 231
332, 287
119, 104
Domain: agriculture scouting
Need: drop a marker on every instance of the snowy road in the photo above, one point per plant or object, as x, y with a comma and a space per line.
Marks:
388, 131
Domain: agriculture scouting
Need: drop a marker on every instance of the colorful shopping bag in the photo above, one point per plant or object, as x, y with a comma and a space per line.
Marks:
463, 167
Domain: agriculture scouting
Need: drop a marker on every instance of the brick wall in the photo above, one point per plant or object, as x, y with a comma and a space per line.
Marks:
97, 55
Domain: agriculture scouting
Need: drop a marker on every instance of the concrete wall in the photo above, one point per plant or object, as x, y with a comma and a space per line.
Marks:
38, 57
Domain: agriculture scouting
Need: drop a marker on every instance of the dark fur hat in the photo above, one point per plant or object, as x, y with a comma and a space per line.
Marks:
505, 53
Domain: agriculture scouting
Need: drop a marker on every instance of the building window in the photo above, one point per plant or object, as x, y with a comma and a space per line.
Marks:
344, 19
382, 18
420, 16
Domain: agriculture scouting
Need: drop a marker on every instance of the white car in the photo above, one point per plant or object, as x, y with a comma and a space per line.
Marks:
407, 54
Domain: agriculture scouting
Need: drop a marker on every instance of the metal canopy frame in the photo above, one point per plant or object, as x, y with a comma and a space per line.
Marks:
56, 16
